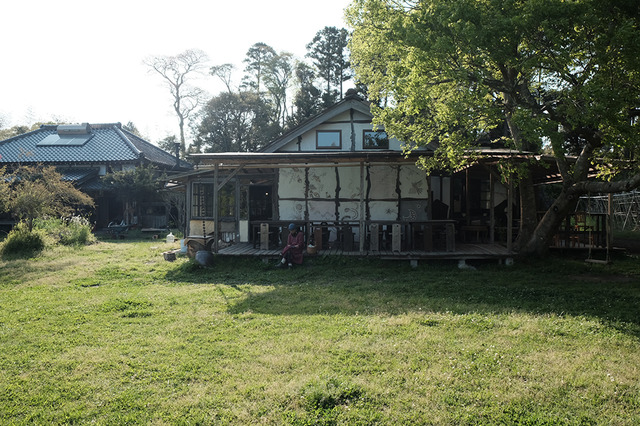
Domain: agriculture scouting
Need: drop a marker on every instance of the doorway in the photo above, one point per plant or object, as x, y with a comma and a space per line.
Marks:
260, 199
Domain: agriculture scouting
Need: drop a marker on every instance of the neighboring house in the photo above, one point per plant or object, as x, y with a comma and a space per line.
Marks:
348, 186
83, 153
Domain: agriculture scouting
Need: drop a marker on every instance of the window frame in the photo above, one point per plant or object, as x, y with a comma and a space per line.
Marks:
339, 132
201, 200
364, 139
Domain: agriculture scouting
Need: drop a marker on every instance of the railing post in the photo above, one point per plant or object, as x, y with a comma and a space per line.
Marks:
374, 237
264, 236
396, 237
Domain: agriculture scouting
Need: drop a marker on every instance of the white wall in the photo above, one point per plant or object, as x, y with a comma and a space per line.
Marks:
321, 202
341, 122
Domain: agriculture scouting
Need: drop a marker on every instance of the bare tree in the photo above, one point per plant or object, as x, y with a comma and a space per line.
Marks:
177, 71
223, 72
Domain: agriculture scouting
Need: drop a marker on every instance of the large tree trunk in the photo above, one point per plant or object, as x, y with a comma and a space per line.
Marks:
528, 210
538, 242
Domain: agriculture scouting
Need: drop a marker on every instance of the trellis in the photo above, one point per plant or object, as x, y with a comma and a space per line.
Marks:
625, 208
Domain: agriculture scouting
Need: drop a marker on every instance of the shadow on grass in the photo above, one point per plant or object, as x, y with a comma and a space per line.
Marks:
25, 254
349, 286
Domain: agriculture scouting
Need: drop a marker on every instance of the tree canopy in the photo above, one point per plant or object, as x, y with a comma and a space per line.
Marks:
329, 53
231, 122
563, 75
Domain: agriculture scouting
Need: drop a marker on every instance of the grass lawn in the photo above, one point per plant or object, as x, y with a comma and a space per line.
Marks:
113, 334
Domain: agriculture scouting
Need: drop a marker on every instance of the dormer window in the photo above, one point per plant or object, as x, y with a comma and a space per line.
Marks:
328, 139
375, 140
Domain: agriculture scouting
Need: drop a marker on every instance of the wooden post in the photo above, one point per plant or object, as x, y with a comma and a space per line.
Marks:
467, 196
362, 229
609, 225
510, 217
264, 236
492, 214
428, 237
215, 210
374, 237
450, 232
396, 237
236, 237
317, 236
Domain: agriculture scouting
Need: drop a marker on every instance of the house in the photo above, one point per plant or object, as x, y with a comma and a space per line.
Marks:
84, 153
351, 189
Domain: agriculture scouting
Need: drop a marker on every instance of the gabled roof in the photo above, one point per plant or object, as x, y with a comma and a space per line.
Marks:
349, 102
83, 144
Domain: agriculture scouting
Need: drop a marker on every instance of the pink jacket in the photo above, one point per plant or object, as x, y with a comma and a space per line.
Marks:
295, 244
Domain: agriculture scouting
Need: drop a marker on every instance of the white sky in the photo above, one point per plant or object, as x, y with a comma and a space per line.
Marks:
81, 61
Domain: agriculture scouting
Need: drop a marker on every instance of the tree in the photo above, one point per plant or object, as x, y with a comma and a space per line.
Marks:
306, 100
177, 71
277, 79
30, 193
168, 144
565, 74
235, 122
259, 56
132, 128
17, 131
223, 72
134, 186
328, 49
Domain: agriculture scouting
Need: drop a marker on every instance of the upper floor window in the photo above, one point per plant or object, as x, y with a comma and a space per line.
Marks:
329, 139
375, 140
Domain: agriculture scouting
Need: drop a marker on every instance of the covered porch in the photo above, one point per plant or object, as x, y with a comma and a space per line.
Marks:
355, 204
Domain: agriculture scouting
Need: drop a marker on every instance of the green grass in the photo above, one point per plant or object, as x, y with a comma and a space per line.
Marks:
113, 334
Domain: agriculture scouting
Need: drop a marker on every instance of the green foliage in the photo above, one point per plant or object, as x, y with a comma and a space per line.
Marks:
74, 231
257, 61
235, 122
138, 184
458, 75
71, 231
36, 192
451, 72
329, 53
306, 100
16, 130
23, 242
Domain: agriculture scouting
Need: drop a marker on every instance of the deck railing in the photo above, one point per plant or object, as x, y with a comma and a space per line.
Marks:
348, 236
581, 229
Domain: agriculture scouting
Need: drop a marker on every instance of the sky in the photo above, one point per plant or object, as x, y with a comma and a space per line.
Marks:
82, 61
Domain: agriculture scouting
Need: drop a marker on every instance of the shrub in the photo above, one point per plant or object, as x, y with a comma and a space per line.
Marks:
73, 231
21, 241
77, 232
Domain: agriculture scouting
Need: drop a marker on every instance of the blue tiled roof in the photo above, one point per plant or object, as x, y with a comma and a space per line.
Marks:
108, 144
153, 153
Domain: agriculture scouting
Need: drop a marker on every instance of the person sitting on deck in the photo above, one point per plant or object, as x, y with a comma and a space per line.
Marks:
292, 253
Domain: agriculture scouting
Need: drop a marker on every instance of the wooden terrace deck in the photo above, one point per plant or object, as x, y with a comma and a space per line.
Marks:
462, 252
